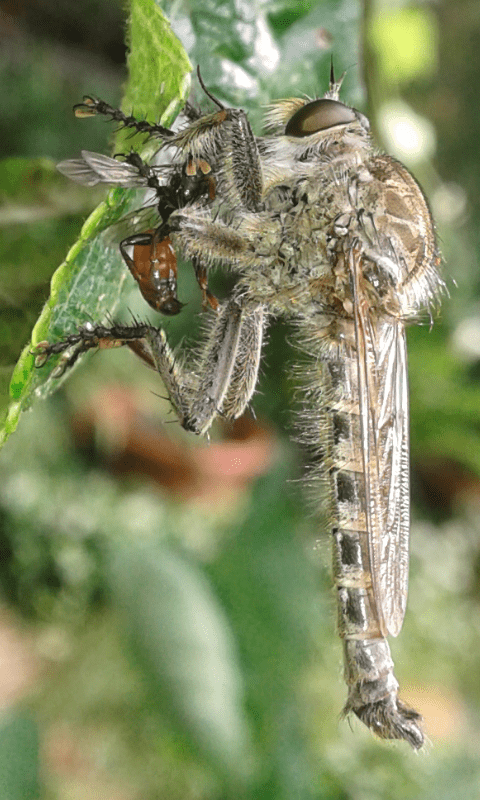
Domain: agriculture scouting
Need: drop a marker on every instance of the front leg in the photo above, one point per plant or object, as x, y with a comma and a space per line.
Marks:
92, 106
199, 392
248, 240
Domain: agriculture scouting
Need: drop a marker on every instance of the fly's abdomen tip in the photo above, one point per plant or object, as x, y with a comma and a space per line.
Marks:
372, 692
390, 718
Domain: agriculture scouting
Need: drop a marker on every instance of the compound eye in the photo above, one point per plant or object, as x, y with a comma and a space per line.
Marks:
318, 116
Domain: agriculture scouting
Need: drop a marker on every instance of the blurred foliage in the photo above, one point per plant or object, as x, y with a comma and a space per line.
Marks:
405, 40
192, 651
19, 773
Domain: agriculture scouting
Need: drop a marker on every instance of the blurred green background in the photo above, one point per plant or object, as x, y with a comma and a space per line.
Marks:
168, 624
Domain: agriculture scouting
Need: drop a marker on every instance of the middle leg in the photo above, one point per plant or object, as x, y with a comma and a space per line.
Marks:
217, 383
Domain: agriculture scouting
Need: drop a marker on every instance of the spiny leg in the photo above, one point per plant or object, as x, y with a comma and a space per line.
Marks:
220, 366
91, 337
149, 343
92, 106
197, 394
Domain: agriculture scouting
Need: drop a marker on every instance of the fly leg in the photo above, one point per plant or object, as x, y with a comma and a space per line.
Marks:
208, 298
92, 106
250, 240
198, 393
244, 375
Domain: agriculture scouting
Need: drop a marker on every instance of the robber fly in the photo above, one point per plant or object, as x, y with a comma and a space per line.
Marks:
322, 228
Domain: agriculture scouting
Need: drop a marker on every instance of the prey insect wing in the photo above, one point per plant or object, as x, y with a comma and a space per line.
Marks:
137, 221
79, 171
94, 168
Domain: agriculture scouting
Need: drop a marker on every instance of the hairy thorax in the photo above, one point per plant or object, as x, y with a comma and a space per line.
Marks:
308, 225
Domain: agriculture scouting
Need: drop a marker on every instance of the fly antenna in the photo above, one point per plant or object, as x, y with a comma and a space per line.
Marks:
334, 85
209, 94
332, 74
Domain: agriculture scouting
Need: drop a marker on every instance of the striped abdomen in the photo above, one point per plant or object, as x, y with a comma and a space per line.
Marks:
335, 429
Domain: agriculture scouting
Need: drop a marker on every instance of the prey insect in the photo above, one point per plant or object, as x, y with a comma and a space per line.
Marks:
149, 255
320, 227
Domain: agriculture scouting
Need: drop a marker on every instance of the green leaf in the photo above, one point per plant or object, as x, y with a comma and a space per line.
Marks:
37, 224
265, 50
157, 62
183, 641
18, 757
90, 282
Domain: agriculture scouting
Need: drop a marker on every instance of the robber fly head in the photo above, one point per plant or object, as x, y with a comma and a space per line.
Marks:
323, 116
308, 125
